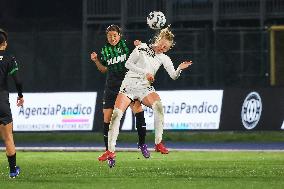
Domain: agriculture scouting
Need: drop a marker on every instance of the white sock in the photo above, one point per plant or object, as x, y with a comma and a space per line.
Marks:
114, 128
158, 121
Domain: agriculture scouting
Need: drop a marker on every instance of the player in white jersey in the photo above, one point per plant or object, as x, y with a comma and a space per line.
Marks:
143, 63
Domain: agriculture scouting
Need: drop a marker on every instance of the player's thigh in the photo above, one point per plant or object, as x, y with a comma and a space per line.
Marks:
109, 98
122, 102
6, 120
136, 106
150, 99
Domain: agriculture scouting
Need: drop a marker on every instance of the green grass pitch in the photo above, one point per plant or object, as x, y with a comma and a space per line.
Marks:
176, 170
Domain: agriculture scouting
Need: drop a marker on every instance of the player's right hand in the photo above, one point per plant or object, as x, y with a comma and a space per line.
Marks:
94, 56
150, 77
137, 42
20, 101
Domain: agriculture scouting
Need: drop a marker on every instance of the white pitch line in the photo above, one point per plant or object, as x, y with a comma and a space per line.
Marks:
94, 149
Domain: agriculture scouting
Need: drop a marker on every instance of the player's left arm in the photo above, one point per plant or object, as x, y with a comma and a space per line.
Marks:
185, 64
13, 71
168, 65
19, 87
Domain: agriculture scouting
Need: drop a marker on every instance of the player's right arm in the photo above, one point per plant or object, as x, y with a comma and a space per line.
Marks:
168, 65
100, 66
132, 61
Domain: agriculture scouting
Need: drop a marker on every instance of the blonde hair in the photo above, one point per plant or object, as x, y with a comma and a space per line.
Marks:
165, 33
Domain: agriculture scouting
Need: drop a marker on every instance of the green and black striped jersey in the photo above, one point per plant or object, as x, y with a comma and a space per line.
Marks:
114, 57
9, 66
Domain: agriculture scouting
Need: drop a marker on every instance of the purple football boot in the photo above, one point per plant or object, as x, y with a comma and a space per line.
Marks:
111, 162
144, 150
16, 173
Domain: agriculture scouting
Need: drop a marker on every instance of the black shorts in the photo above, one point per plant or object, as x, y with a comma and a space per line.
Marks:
111, 90
5, 111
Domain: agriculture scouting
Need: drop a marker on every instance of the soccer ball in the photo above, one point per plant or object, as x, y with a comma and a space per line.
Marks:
156, 20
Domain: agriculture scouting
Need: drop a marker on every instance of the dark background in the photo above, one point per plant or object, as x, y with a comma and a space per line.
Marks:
228, 40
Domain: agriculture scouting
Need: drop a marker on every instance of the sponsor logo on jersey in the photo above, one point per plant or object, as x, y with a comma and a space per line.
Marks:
116, 60
149, 52
251, 110
1, 57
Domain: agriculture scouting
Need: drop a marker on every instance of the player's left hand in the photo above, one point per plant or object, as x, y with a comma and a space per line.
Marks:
137, 42
185, 64
20, 101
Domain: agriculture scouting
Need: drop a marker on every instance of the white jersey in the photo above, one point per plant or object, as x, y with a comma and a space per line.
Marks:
141, 61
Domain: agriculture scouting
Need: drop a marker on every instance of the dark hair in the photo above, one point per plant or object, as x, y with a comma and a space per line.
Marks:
113, 27
3, 36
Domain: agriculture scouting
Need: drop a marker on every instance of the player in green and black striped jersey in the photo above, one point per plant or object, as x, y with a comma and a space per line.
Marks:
8, 67
112, 61
114, 57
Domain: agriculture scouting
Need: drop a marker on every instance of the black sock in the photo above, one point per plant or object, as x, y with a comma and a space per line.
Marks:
12, 163
106, 129
141, 127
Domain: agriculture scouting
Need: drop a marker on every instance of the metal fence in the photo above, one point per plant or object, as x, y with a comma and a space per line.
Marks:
51, 61
226, 39
223, 56
213, 11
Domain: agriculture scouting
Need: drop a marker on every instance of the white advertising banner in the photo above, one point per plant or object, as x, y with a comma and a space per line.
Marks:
185, 110
67, 111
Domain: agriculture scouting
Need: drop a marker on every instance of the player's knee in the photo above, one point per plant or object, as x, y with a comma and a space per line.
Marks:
107, 119
158, 107
115, 118
6, 136
116, 114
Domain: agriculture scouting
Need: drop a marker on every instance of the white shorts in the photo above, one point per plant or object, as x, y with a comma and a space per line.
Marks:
136, 88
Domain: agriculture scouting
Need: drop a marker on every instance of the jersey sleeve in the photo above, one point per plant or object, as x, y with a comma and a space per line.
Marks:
13, 71
103, 57
169, 67
131, 63
19, 85
12, 66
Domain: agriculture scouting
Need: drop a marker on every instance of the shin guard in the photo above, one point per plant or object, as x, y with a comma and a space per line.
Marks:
158, 120
114, 128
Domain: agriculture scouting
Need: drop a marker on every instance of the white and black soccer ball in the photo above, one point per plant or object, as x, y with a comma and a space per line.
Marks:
156, 20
